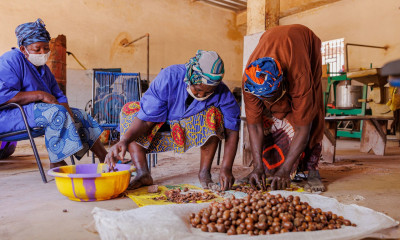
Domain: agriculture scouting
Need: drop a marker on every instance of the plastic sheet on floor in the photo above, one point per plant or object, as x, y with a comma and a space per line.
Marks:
143, 198
172, 222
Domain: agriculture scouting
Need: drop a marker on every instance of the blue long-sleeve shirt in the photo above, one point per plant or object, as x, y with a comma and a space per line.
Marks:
17, 74
166, 96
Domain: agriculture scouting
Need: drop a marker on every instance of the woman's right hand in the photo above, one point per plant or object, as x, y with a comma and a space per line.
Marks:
116, 152
48, 98
258, 178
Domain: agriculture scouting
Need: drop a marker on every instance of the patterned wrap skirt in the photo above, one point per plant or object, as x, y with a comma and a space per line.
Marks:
66, 135
184, 134
278, 135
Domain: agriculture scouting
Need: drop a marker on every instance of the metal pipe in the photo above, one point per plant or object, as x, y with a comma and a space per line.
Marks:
359, 45
148, 59
222, 5
137, 39
76, 59
148, 52
93, 93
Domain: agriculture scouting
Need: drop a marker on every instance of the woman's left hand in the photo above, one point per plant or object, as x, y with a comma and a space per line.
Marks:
226, 179
281, 179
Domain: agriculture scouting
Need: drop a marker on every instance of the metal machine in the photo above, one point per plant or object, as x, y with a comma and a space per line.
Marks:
343, 97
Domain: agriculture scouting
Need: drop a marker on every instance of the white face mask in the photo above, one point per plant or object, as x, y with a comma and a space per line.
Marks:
37, 59
189, 90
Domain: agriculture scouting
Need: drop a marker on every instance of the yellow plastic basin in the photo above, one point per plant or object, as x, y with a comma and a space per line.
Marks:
88, 182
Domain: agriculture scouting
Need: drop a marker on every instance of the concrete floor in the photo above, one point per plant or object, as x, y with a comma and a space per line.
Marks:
30, 209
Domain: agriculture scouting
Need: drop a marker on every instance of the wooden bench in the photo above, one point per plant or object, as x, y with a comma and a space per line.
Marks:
373, 136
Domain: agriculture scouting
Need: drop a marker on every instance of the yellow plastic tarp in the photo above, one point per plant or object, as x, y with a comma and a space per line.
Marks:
143, 198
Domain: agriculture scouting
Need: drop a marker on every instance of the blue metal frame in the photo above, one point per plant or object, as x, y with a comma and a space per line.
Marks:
27, 133
110, 92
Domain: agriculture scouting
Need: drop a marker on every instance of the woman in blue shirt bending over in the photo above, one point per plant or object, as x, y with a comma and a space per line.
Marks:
25, 79
195, 108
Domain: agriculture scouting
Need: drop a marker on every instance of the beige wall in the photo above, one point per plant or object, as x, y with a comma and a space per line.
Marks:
95, 28
369, 22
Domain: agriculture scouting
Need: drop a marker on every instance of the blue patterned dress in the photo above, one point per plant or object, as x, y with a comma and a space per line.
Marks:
64, 135
190, 126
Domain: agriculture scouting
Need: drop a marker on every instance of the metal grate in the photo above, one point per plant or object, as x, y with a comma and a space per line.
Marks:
111, 92
333, 55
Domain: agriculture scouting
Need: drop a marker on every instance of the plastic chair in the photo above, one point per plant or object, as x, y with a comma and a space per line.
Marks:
27, 133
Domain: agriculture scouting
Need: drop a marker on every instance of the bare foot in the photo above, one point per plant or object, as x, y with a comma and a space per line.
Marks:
205, 179
140, 181
58, 164
314, 183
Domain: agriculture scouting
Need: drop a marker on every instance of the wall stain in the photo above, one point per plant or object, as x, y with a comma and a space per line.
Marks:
239, 49
94, 4
118, 48
233, 31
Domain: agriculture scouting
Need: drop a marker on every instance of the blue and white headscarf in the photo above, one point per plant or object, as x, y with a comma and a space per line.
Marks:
32, 32
263, 77
206, 67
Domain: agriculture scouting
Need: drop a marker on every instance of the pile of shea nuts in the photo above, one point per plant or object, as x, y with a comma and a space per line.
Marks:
264, 213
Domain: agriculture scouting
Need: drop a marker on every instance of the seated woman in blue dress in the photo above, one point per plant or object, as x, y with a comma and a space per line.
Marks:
27, 80
196, 109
